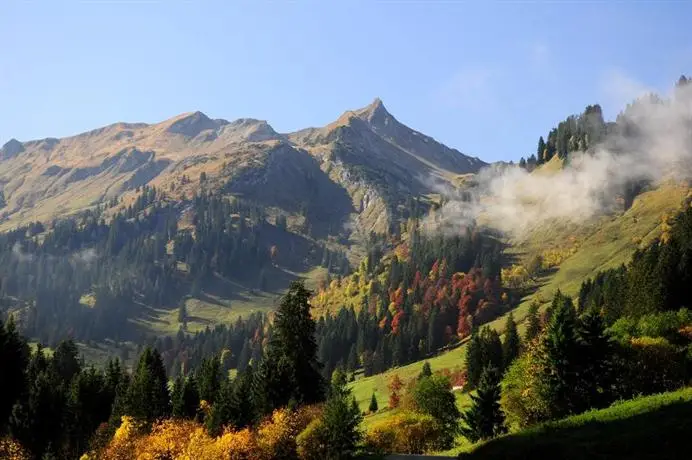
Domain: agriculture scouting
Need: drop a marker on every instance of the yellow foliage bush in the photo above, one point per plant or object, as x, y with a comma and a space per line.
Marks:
406, 433
12, 450
124, 443
168, 440
174, 439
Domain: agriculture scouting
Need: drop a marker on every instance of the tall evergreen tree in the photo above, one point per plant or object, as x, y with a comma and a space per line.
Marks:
511, 346
491, 348
474, 361
14, 358
65, 362
290, 370
561, 356
596, 355
209, 379
341, 418
148, 397
485, 419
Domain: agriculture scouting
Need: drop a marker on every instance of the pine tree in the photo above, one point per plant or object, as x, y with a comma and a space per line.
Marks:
426, 371
491, 348
223, 410
372, 408
65, 362
148, 398
352, 362
341, 418
474, 361
14, 358
291, 370
209, 379
533, 323
561, 356
596, 355
182, 313
511, 346
485, 419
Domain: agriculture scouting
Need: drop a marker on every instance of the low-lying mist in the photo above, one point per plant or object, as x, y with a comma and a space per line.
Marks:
651, 142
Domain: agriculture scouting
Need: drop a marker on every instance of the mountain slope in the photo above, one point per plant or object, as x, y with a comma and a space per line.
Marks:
287, 201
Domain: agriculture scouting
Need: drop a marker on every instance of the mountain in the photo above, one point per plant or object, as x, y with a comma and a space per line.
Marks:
363, 166
195, 221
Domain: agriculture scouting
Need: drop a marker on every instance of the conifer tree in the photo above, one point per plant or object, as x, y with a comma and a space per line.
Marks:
474, 361
491, 348
485, 419
148, 398
426, 371
511, 346
209, 379
14, 357
291, 371
340, 433
65, 362
596, 354
373, 407
561, 356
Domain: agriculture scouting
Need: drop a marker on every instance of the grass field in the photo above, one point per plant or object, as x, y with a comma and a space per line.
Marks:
653, 427
601, 244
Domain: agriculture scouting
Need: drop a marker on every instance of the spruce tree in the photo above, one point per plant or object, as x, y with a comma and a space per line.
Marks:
533, 323
511, 346
426, 371
14, 358
209, 379
65, 362
561, 356
148, 398
596, 355
485, 419
341, 418
373, 407
291, 371
474, 361
491, 348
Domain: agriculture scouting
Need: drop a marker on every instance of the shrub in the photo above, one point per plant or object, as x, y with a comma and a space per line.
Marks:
406, 433
12, 450
311, 442
433, 396
649, 365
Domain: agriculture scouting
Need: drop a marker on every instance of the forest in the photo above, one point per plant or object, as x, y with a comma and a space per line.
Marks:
572, 358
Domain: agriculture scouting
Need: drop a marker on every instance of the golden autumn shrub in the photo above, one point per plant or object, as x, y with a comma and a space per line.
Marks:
168, 440
175, 439
12, 450
405, 433
276, 436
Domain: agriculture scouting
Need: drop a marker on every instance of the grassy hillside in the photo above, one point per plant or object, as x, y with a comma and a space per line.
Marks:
654, 427
587, 249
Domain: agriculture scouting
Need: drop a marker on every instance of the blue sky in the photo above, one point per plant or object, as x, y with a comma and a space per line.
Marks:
485, 77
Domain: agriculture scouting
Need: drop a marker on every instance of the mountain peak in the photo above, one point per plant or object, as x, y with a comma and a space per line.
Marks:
190, 124
375, 114
11, 149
